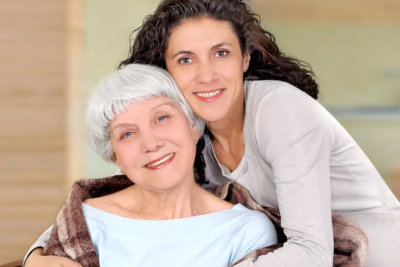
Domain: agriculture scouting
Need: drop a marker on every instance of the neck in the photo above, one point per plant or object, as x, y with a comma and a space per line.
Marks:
171, 204
230, 128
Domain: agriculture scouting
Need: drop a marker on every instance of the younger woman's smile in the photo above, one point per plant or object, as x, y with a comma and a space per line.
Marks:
209, 96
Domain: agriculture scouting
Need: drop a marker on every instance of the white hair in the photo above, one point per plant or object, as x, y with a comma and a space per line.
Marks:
115, 93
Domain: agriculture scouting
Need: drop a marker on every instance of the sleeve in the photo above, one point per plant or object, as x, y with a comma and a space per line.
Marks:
295, 136
40, 242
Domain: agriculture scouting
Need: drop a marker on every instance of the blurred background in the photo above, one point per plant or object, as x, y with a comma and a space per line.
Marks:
53, 53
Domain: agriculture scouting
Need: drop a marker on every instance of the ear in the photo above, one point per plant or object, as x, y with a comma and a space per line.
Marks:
246, 61
195, 133
115, 159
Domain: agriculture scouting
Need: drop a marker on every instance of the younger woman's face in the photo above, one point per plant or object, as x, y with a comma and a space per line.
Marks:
206, 61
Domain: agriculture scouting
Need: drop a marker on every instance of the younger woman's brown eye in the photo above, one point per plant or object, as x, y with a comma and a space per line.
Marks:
185, 60
222, 53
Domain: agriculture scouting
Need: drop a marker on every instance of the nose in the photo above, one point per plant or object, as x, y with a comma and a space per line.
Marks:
205, 72
151, 141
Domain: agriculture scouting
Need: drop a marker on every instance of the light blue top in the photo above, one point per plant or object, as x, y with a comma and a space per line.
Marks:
214, 239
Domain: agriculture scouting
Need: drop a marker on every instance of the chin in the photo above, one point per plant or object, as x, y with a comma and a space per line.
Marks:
212, 118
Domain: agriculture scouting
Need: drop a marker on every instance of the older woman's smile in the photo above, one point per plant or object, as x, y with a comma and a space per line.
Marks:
161, 162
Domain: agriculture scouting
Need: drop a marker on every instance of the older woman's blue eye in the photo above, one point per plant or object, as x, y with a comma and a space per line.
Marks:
127, 134
161, 118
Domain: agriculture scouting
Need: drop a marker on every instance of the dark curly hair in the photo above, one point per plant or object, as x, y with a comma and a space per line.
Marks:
267, 62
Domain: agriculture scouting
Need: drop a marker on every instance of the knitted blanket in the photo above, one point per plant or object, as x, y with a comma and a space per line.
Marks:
70, 236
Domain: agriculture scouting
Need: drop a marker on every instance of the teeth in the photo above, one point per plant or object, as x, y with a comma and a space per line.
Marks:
211, 94
158, 162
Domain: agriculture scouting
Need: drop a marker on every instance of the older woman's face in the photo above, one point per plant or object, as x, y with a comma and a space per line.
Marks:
154, 144
205, 59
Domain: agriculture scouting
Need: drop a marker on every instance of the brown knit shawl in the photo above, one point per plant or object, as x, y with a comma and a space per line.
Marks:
70, 236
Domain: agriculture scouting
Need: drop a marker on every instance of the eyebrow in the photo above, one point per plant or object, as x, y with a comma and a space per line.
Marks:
212, 48
128, 124
121, 125
170, 103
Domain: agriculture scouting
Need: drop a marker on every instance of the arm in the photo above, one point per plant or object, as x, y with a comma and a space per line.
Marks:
295, 138
36, 258
39, 244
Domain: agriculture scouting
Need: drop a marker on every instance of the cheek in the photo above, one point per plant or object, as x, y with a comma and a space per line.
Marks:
125, 155
183, 136
237, 74
183, 79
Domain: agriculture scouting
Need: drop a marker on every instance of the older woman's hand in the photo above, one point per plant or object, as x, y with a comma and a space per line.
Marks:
37, 259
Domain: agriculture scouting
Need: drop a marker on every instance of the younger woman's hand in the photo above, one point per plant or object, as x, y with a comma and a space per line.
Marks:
36, 259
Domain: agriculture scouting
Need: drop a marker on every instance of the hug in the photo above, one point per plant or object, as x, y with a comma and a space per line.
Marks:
265, 131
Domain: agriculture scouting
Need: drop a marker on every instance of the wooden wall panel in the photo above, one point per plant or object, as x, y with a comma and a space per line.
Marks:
34, 73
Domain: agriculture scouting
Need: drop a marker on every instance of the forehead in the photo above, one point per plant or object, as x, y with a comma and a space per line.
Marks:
141, 109
192, 30
151, 104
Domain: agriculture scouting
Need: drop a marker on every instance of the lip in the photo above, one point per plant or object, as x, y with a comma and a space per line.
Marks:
209, 96
164, 161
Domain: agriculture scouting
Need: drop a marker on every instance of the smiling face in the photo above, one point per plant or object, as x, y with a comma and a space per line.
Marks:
205, 59
154, 144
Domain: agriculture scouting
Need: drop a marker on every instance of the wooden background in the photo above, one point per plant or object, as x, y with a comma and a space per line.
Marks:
39, 42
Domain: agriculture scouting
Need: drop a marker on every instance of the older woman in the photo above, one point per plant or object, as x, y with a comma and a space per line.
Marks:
155, 215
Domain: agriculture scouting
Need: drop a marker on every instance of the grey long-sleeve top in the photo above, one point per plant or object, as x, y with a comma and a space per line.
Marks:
299, 159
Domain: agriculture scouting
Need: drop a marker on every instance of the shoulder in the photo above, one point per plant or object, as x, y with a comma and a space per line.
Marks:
114, 203
254, 226
276, 94
272, 88
281, 115
102, 202
212, 203
254, 230
274, 104
277, 104
253, 218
